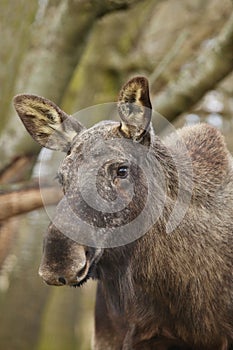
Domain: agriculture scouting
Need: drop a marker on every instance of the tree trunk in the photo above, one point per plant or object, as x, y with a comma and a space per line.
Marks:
16, 18
59, 36
201, 75
21, 201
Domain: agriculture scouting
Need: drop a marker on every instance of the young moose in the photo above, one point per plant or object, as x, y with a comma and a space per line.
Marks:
162, 284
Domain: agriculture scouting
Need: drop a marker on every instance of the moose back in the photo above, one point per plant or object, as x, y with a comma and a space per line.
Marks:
150, 219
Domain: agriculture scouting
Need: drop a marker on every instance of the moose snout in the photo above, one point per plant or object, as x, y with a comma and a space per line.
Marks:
73, 275
64, 261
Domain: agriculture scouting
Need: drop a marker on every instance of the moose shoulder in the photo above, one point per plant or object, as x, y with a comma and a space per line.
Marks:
158, 218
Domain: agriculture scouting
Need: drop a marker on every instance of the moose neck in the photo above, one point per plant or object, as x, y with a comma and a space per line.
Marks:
114, 272
124, 270
156, 278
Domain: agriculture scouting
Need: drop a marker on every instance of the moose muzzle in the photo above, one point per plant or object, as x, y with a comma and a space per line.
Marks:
64, 261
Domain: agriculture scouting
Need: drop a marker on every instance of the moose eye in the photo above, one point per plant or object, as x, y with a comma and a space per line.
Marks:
122, 171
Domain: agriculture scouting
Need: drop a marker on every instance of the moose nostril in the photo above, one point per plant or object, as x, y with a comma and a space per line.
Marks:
62, 280
88, 252
82, 271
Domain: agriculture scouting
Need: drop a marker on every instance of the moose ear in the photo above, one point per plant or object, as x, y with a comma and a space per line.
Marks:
46, 123
134, 108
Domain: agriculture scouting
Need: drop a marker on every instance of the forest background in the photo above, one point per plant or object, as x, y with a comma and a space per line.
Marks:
79, 53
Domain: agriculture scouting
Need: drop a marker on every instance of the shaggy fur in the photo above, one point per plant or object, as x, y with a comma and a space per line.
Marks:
172, 288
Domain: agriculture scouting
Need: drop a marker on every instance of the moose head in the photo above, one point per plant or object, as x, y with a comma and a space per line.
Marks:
124, 190
103, 177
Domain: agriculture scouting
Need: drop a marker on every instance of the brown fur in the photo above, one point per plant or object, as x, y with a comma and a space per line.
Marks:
182, 284
164, 290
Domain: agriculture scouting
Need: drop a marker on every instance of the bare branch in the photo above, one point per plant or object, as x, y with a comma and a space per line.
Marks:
172, 53
24, 200
58, 39
18, 169
214, 64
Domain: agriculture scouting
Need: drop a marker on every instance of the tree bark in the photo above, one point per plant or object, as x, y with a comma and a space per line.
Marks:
109, 59
58, 40
8, 231
201, 75
15, 19
24, 200
18, 170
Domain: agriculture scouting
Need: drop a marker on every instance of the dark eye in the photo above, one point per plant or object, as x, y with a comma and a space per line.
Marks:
122, 171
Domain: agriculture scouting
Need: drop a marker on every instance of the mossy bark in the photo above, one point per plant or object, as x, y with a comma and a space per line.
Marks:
57, 40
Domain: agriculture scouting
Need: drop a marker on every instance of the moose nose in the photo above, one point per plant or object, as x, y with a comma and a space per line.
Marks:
61, 277
62, 280
52, 278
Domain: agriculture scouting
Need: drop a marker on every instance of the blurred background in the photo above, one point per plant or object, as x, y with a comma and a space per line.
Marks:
78, 53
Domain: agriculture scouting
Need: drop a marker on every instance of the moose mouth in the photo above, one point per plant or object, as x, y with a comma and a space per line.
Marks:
90, 273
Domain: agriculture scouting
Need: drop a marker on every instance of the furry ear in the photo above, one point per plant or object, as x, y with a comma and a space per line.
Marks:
46, 123
135, 108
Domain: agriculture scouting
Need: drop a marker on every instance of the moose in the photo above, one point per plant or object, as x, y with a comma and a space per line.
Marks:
161, 283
